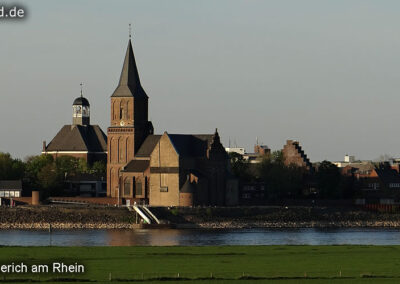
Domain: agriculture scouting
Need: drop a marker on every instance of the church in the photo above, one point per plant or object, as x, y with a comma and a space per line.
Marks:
166, 169
79, 139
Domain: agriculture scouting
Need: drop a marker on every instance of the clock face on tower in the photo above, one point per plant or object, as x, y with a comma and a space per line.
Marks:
122, 123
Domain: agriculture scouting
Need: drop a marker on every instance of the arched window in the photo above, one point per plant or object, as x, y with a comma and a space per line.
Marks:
128, 109
121, 150
123, 110
127, 187
113, 110
138, 187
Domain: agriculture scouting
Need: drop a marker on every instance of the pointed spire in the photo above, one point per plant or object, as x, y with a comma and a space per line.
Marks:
216, 136
129, 82
129, 74
216, 149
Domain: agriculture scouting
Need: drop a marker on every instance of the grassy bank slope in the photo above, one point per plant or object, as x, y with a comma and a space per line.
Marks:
243, 264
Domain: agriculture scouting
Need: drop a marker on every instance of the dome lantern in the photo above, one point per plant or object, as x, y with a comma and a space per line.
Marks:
81, 111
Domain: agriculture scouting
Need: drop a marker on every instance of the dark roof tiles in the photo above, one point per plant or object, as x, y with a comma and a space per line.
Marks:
81, 101
129, 82
10, 184
188, 187
148, 145
79, 138
388, 175
137, 166
191, 145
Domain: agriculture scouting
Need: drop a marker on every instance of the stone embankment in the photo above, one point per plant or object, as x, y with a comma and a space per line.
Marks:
67, 226
64, 217
312, 224
280, 217
91, 217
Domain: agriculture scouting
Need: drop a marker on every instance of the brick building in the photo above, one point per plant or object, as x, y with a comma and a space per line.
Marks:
79, 139
294, 154
162, 170
381, 185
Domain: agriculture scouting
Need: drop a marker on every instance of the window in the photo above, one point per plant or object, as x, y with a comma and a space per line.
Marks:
374, 186
1, 193
164, 179
127, 187
249, 188
17, 194
164, 183
246, 195
139, 190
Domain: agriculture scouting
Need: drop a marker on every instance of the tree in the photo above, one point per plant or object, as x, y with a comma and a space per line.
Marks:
48, 178
70, 166
277, 157
33, 165
99, 169
10, 169
328, 179
240, 168
281, 181
383, 158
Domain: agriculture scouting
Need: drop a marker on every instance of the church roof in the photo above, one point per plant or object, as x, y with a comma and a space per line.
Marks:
191, 145
129, 82
137, 166
10, 184
79, 138
148, 145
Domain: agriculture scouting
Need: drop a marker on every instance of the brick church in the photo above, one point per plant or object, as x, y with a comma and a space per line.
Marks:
161, 170
79, 139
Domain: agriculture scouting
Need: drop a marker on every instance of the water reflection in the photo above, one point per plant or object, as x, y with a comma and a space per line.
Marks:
144, 237
170, 237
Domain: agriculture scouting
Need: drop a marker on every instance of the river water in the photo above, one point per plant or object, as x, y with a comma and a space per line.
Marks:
186, 237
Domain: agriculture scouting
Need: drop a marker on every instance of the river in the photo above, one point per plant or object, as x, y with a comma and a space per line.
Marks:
186, 237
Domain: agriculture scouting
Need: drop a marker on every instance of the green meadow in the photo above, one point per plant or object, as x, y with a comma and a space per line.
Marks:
225, 264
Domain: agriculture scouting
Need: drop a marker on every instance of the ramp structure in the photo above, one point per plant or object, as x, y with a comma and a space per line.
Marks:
145, 213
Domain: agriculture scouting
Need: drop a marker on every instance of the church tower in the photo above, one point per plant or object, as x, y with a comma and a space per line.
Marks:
129, 122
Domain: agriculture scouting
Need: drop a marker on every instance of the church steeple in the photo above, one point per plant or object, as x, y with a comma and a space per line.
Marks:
129, 121
129, 82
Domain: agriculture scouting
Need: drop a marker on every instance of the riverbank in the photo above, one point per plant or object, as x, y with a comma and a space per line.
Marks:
66, 217
96, 217
279, 217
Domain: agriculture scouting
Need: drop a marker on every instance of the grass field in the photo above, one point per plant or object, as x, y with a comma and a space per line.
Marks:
228, 264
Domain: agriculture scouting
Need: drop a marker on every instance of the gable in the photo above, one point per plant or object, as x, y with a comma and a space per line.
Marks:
164, 153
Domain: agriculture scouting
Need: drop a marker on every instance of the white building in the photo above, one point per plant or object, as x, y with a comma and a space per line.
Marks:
238, 150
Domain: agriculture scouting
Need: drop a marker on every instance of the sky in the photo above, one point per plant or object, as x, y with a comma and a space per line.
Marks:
325, 73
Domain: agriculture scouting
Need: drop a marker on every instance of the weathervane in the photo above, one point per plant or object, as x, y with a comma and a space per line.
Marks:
130, 31
81, 90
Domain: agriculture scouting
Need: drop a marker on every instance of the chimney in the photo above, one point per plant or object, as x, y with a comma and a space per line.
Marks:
44, 146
